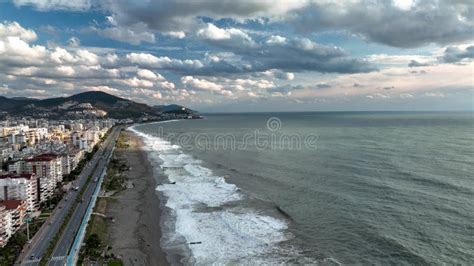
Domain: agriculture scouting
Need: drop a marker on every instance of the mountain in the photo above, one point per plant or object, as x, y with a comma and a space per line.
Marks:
91, 103
174, 109
24, 99
7, 103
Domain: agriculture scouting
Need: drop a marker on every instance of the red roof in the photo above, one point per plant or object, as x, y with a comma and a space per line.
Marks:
11, 204
43, 157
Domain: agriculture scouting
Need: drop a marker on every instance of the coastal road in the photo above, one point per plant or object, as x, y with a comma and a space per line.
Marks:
64, 244
50, 228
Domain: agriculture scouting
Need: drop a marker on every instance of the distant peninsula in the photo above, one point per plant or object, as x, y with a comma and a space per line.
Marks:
89, 105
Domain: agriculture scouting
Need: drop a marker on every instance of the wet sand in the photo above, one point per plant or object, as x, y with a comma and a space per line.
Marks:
135, 235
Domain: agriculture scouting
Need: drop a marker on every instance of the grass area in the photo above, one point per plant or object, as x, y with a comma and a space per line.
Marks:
122, 142
96, 236
115, 179
115, 262
45, 215
98, 224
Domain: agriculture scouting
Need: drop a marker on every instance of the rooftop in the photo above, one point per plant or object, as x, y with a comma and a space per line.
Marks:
24, 175
11, 204
43, 157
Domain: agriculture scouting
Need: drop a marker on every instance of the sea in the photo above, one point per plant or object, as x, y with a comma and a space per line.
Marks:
317, 188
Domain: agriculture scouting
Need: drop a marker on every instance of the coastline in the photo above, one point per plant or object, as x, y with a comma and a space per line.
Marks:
136, 232
211, 226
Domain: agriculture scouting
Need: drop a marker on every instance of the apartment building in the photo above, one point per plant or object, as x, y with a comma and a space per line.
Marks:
75, 156
65, 164
21, 187
12, 213
48, 169
4, 225
34, 135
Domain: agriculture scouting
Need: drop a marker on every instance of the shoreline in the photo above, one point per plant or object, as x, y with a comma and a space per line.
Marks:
136, 233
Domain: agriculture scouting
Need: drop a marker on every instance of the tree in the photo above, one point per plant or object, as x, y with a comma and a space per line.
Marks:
93, 245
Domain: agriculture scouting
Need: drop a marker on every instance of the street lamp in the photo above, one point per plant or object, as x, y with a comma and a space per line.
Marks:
27, 220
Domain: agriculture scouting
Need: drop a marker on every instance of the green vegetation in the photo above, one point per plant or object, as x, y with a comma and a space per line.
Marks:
98, 223
96, 235
115, 107
80, 166
93, 246
115, 180
11, 251
121, 142
51, 203
115, 262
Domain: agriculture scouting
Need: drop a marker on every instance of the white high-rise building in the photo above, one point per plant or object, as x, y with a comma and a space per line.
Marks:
48, 168
20, 187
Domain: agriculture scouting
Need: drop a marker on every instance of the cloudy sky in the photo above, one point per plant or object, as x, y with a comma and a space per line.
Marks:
233, 55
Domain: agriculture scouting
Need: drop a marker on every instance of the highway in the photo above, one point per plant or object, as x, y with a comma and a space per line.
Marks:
42, 239
65, 242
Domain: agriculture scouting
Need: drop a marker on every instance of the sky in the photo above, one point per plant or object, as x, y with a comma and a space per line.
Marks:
244, 55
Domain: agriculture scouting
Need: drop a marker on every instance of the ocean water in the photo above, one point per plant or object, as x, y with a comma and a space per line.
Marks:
316, 188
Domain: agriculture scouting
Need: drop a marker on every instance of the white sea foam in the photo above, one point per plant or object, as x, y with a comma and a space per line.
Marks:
229, 237
224, 235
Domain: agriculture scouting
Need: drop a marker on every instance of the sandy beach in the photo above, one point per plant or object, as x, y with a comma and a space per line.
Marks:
135, 234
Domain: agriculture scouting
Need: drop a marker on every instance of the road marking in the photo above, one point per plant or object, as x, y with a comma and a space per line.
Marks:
58, 258
30, 261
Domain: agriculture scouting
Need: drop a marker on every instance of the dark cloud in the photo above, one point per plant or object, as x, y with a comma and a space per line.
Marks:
418, 72
423, 22
414, 63
178, 15
276, 52
284, 89
426, 22
295, 55
455, 54
304, 55
323, 86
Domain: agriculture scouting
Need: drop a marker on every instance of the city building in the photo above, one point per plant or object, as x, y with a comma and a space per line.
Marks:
21, 187
12, 213
35, 154
48, 169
